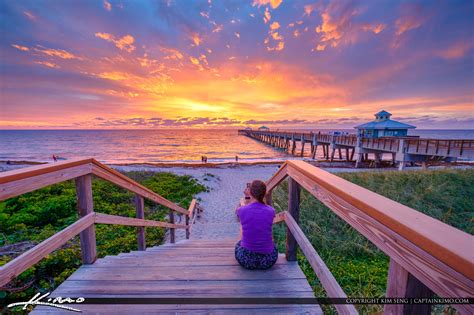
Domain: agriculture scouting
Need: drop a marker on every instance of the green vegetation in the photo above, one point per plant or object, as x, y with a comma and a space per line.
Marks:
358, 266
31, 218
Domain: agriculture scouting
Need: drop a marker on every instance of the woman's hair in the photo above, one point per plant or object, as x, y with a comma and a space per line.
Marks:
258, 189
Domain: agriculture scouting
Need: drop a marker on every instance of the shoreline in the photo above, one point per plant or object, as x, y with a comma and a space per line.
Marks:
333, 167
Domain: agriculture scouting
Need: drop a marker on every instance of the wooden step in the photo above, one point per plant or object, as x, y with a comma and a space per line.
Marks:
187, 269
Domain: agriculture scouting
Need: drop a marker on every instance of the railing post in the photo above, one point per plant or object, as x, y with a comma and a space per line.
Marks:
140, 210
294, 191
187, 225
172, 230
85, 205
401, 284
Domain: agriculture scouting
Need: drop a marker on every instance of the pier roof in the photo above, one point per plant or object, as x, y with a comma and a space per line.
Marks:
386, 124
383, 121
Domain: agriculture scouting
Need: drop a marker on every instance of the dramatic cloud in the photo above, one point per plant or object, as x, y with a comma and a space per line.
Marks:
153, 64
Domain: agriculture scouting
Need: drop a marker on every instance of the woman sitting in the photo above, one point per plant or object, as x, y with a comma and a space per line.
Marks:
256, 249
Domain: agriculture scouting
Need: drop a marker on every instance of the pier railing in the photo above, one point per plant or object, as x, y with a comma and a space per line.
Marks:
426, 255
442, 148
17, 182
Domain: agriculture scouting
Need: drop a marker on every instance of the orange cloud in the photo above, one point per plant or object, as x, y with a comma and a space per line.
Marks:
60, 53
276, 36
19, 47
274, 26
456, 51
375, 28
273, 3
171, 53
342, 29
195, 61
278, 47
308, 9
47, 64
124, 43
407, 23
197, 40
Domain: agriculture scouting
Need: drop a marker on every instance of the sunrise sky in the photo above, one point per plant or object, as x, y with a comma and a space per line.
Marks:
156, 64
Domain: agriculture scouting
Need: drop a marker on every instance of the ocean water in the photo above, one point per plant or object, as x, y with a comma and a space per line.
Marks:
154, 146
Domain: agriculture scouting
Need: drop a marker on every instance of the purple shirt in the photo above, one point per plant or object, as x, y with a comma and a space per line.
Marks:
257, 220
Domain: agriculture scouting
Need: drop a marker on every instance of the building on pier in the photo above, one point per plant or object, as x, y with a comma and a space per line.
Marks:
263, 128
383, 126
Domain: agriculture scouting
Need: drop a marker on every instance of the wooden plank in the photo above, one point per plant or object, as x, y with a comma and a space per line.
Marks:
294, 192
102, 218
440, 240
14, 187
187, 309
123, 181
106, 262
439, 277
32, 256
325, 276
85, 206
167, 249
126, 273
140, 212
238, 288
229, 243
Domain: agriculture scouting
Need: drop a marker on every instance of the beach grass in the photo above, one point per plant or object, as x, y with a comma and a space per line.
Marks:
29, 219
358, 266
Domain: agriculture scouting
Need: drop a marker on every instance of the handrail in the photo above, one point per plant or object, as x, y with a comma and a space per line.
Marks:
438, 255
17, 182
325, 276
29, 258
16, 266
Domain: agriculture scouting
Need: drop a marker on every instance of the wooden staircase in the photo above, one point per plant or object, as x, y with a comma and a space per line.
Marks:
186, 269
427, 256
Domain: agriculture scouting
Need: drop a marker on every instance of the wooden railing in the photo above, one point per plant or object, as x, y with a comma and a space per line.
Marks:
17, 182
382, 144
435, 147
426, 255
454, 148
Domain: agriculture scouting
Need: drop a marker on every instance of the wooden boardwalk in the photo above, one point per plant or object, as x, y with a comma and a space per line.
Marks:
190, 268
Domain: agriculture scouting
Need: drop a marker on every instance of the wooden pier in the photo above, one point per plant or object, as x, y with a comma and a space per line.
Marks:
427, 257
353, 148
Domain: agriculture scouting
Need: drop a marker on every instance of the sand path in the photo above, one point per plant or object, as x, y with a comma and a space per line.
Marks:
226, 185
